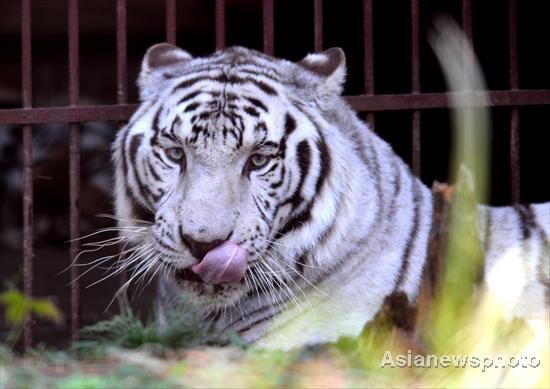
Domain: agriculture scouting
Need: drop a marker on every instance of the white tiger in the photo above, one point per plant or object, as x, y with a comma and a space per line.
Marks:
249, 183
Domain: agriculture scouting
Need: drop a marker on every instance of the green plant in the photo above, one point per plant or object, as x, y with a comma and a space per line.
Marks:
128, 330
18, 309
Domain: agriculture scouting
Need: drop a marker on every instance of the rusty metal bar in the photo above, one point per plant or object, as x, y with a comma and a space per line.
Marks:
404, 102
122, 74
362, 103
368, 55
28, 214
318, 25
121, 52
171, 21
514, 114
74, 164
269, 28
415, 85
67, 114
467, 20
220, 24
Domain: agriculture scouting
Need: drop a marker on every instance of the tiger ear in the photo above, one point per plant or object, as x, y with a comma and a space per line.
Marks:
155, 67
330, 66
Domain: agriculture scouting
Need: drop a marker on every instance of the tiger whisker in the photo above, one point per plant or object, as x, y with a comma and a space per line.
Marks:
291, 258
133, 258
285, 288
294, 282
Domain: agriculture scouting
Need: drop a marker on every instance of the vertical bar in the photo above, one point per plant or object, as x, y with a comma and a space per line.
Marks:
122, 75
368, 55
269, 29
171, 21
28, 214
318, 25
415, 85
74, 164
220, 24
121, 50
467, 21
514, 114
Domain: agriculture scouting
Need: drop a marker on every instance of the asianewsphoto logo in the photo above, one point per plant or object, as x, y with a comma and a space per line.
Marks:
457, 361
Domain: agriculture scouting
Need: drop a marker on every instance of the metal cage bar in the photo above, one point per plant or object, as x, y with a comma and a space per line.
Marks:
361, 103
122, 78
74, 164
415, 85
121, 52
467, 19
28, 214
269, 28
220, 24
318, 25
368, 56
514, 113
171, 21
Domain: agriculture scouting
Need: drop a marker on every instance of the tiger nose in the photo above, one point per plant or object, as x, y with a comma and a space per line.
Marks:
199, 248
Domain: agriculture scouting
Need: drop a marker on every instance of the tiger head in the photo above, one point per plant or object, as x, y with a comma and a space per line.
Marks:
223, 170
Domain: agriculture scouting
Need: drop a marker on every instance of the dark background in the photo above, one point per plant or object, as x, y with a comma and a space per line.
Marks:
195, 32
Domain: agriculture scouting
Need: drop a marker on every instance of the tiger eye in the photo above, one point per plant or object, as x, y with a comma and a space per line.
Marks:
258, 160
175, 153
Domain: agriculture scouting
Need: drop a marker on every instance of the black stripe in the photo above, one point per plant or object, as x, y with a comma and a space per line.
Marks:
272, 168
224, 78
188, 96
527, 220
325, 162
168, 136
413, 234
156, 177
529, 224
303, 156
190, 81
260, 127
176, 123
262, 213
251, 111
257, 103
277, 184
135, 143
156, 120
262, 85
304, 161
290, 126
123, 140
191, 107
373, 165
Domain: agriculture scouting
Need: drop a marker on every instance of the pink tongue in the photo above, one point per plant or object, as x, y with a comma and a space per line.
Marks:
224, 263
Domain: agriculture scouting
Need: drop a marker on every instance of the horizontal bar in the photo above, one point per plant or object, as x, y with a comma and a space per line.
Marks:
90, 113
403, 102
